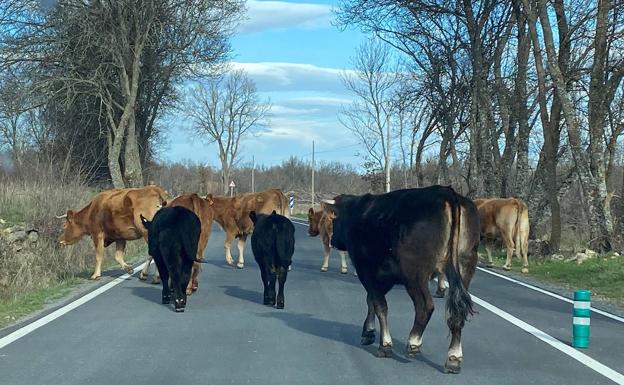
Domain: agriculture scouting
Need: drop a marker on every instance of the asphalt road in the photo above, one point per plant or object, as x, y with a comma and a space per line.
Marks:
226, 336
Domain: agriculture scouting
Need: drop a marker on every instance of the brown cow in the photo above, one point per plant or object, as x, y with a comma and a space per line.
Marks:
202, 207
320, 222
232, 214
508, 219
113, 216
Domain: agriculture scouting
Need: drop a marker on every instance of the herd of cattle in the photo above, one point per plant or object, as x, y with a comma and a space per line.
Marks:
402, 237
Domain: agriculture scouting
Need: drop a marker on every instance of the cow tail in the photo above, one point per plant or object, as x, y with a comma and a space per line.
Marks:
521, 245
459, 303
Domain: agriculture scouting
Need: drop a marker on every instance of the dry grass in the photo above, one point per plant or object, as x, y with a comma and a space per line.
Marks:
36, 201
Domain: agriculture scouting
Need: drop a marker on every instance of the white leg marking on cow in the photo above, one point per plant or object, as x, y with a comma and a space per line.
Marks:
343, 262
415, 341
386, 339
555, 343
228, 254
31, 327
456, 352
241, 248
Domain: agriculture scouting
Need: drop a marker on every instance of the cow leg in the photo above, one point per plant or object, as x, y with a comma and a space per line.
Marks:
368, 330
509, 245
164, 275
326, 251
98, 242
120, 247
181, 286
264, 273
489, 254
192, 282
423, 308
271, 282
343, 262
241, 247
228, 248
378, 296
282, 273
143, 274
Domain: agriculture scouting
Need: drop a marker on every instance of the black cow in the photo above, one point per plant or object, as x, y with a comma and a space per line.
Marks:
402, 237
172, 240
273, 244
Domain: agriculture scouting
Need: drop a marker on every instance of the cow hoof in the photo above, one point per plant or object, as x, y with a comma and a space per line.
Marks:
96, 277
129, 269
323, 269
279, 305
368, 337
453, 365
142, 276
189, 291
506, 268
384, 351
412, 351
166, 300
155, 281
240, 265
343, 270
179, 310
525, 270
439, 293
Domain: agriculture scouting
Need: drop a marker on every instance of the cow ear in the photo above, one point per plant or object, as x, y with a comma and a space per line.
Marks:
329, 208
274, 212
311, 212
70, 215
253, 217
209, 199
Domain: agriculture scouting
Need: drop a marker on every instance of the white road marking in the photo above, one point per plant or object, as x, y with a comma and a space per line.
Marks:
568, 300
21, 332
555, 343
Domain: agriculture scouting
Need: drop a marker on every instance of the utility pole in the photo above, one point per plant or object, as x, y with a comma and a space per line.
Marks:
253, 168
312, 173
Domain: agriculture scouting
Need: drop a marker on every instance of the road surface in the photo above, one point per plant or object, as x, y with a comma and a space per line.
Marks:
121, 334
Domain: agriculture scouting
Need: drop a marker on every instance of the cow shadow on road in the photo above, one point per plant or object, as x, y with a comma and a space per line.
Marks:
244, 294
341, 332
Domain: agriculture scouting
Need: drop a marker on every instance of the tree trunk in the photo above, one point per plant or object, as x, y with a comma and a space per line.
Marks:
593, 186
132, 161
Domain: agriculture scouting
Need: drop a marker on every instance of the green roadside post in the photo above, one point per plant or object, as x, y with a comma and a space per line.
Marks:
580, 320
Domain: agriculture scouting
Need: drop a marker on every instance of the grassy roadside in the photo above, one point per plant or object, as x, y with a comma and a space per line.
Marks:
14, 308
603, 275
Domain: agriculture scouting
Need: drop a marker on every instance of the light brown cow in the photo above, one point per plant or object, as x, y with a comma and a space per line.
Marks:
202, 207
507, 219
113, 216
232, 214
320, 223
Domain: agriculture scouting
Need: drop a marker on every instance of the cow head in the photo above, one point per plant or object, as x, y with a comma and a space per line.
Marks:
314, 219
336, 212
209, 199
72, 230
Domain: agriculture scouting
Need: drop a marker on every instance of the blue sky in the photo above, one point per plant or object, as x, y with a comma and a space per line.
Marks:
295, 56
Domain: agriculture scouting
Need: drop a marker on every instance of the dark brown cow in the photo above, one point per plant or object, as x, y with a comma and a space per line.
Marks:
232, 214
320, 223
113, 216
507, 219
202, 207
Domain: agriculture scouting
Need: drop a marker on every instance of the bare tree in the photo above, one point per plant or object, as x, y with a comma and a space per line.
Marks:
225, 111
370, 116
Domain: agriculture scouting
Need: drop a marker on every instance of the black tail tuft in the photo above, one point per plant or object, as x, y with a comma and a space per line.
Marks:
459, 302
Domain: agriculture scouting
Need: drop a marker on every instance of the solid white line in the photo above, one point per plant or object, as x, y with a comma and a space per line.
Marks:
21, 332
299, 223
555, 343
554, 295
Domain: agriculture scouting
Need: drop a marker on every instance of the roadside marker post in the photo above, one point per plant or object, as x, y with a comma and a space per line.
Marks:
291, 203
580, 320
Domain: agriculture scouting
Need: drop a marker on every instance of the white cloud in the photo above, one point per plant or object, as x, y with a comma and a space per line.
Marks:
267, 15
280, 76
